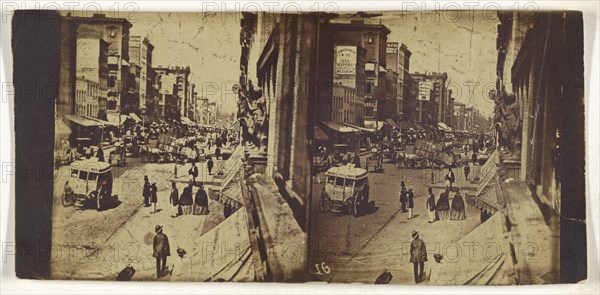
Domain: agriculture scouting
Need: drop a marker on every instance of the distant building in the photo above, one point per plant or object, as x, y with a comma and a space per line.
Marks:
432, 97
179, 76
140, 53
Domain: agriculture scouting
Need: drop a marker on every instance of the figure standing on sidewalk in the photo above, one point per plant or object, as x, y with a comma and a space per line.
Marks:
201, 201
403, 196
418, 256
146, 191
174, 199
458, 208
161, 250
431, 206
193, 172
411, 203
467, 170
449, 177
153, 196
443, 205
210, 166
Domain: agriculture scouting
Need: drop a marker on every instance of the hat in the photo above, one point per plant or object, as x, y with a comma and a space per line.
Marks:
410, 190
402, 183
158, 228
145, 176
438, 257
415, 233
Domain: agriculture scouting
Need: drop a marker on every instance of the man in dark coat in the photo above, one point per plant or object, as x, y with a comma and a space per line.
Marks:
218, 152
450, 178
411, 203
193, 172
146, 191
418, 256
431, 206
153, 196
174, 198
210, 165
403, 196
201, 201
356, 160
100, 154
161, 250
467, 170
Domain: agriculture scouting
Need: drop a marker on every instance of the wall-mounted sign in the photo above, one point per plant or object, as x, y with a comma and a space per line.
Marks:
391, 47
345, 60
424, 90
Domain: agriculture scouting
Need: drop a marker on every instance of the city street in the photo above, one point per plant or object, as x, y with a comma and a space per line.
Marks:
358, 249
98, 244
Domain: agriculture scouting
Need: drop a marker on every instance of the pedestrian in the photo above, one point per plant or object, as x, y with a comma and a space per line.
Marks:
403, 196
458, 208
431, 206
467, 170
146, 191
193, 172
443, 205
100, 154
227, 209
185, 200
153, 196
356, 160
174, 198
210, 165
218, 153
161, 250
411, 203
418, 256
201, 201
449, 178
474, 158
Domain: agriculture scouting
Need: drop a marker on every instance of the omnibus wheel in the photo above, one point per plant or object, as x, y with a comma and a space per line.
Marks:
67, 200
95, 195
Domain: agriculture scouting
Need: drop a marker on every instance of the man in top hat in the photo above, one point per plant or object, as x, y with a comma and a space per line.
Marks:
193, 172
146, 191
418, 255
161, 250
403, 196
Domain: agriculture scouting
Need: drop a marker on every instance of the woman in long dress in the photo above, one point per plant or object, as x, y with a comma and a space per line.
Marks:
443, 205
458, 208
431, 206
201, 202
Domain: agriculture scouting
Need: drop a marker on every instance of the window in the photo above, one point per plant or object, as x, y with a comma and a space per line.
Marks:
368, 87
331, 179
339, 181
349, 182
74, 172
83, 175
93, 176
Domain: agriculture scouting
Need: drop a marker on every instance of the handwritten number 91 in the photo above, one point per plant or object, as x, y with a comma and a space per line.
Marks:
322, 268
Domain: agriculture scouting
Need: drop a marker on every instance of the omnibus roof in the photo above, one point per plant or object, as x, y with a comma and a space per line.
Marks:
347, 172
91, 165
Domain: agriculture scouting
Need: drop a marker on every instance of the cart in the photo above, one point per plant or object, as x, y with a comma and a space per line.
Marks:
90, 184
346, 191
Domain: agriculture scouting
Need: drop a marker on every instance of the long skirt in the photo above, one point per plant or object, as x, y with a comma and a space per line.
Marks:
431, 215
457, 215
444, 214
200, 210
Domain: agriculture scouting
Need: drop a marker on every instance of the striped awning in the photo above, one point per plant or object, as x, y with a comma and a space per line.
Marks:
486, 196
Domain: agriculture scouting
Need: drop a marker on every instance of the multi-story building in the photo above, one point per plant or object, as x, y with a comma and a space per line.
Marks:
411, 106
432, 96
180, 77
140, 53
370, 41
459, 122
115, 31
343, 104
92, 77
88, 98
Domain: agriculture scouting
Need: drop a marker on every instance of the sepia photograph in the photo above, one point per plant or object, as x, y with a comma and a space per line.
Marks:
395, 147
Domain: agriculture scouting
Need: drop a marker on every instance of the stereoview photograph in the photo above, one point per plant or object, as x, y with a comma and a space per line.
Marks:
439, 148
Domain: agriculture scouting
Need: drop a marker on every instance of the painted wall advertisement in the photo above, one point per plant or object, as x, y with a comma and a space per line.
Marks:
345, 60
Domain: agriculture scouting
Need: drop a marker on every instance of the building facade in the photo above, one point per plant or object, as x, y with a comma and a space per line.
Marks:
115, 31
92, 77
173, 85
89, 101
344, 104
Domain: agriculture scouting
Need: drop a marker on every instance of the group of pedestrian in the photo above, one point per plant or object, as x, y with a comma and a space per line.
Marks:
150, 194
187, 204
443, 209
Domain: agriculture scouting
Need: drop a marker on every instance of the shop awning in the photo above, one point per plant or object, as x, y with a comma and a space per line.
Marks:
186, 120
443, 126
102, 122
117, 119
486, 196
61, 129
337, 127
135, 118
382, 69
392, 123
83, 121
374, 125
320, 135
